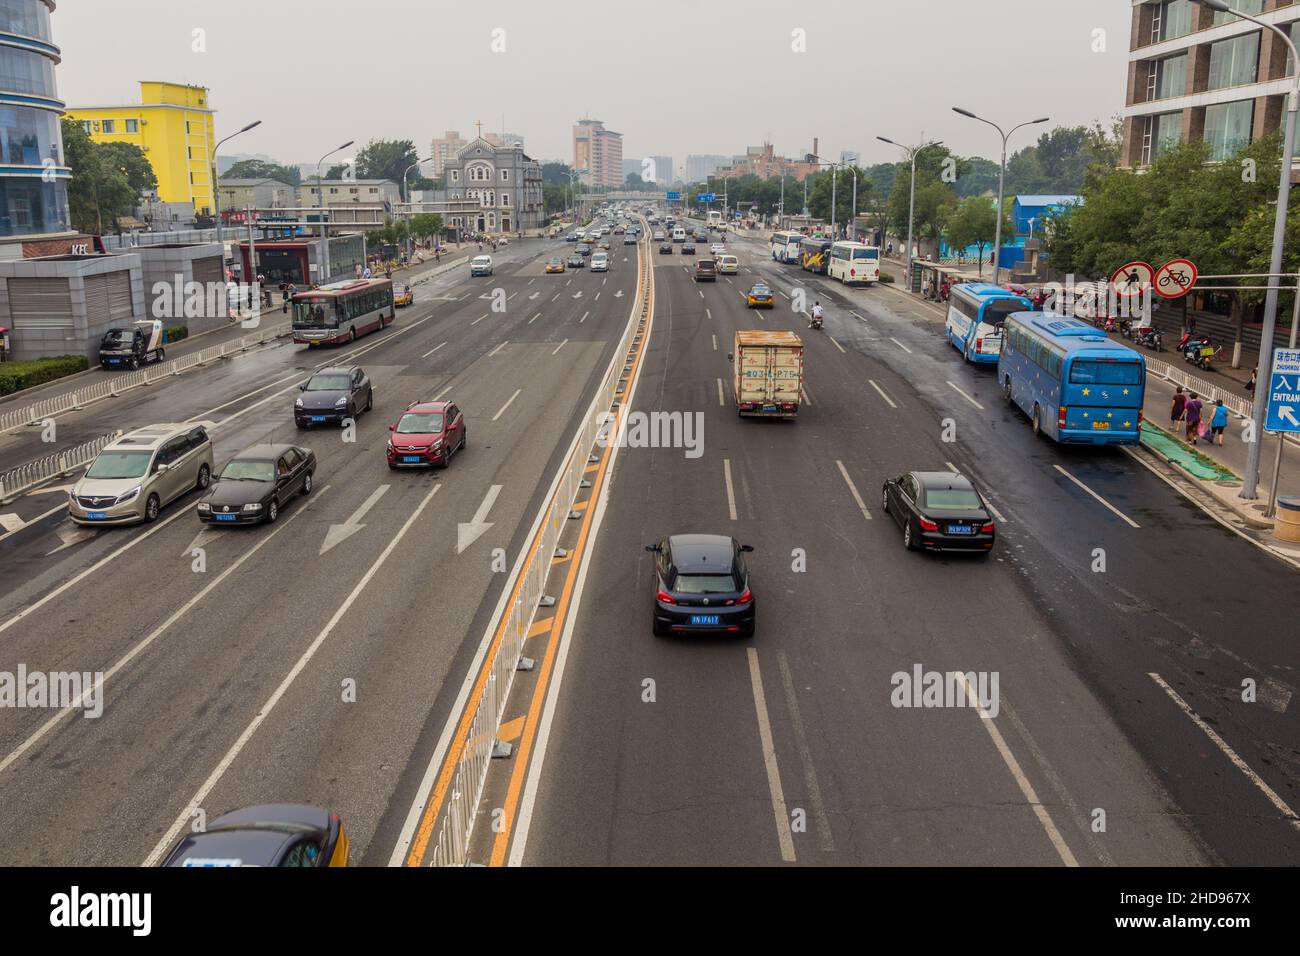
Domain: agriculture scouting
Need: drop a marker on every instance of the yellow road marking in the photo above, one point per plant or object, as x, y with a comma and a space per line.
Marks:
510, 730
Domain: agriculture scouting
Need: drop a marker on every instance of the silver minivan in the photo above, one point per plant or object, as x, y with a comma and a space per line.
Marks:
136, 475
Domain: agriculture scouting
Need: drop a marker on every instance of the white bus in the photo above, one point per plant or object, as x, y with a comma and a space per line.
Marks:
715, 219
786, 246
854, 262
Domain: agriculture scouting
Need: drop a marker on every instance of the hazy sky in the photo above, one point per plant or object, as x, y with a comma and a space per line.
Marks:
674, 76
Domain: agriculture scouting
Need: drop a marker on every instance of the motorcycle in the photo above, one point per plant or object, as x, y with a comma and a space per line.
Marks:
1149, 337
1205, 357
815, 323
1189, 345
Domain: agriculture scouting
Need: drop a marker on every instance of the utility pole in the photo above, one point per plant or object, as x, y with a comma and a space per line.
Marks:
323, 259
216, 195
912, 152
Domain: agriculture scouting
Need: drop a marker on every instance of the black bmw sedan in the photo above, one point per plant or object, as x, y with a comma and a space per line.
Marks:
257, 483
702, 584
939, 511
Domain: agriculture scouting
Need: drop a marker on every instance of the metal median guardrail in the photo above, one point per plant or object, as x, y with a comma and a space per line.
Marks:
17, 480
450, 846
112, 387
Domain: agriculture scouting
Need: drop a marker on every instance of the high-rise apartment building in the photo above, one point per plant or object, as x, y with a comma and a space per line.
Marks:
599, 151
445, 147
700, 167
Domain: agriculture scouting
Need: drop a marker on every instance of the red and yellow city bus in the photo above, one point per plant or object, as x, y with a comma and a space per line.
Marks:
341, 311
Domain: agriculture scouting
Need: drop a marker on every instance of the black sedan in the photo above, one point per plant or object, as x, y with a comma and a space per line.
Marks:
333, 395
666, 248
702, 584
688, 248
257, 483
280, 834
577, 261
939, 511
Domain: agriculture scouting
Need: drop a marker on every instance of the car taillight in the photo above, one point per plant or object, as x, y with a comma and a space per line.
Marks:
987, 529
852, 272
928, 525
746, 597
1060, 417
665, 597
979, 345
788, 406
1139, 418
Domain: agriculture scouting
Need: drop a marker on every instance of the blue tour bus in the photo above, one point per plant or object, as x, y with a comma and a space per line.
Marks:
1076, 385
975, 314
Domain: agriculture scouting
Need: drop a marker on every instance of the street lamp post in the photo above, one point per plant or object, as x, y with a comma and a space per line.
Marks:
323, 259
1002, 177
1250, 481
216, 195
912, 152
406, 172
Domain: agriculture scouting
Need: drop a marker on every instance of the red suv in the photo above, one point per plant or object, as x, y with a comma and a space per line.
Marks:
428, 433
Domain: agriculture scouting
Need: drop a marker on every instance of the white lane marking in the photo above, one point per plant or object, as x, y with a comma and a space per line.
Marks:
837, 344
721, 399
805, 757
480, 318
1227, 750
715, 342
265, 711
532, 280
554, 297
604, 280
432, 350
731, 491
862, 505
153, 636
782, 293
507, 404
597, 299
438, 397
701, 292
27, 524
779, 813
806, 399
965, 396
856, 316
498, 348
584, 317
568, 282
708, 312
881, 392
534, 318
1026, 788
512, 295
900, 345
1130, 521
560, 346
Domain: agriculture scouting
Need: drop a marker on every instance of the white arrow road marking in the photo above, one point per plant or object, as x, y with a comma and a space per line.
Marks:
618, 294
11, 522
469, 532
507, 404
578, 294
205, 534
71, 534
51, 489
533, 296
338, 533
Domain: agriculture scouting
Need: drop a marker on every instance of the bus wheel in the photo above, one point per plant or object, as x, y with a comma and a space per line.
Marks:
1006, 389
1038, 421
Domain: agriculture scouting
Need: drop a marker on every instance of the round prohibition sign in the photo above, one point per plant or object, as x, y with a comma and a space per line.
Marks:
1133, 279
1175, 279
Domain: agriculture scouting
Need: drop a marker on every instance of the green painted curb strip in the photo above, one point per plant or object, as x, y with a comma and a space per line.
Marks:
1184, 456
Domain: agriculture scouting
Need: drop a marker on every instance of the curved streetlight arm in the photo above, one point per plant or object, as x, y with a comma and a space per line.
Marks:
216, 195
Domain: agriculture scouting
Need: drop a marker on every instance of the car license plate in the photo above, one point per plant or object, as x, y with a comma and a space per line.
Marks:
961, 529
770, 408
1100, 426
318, 418
114, 361
411, 459
225, 517
705, 620
96, 515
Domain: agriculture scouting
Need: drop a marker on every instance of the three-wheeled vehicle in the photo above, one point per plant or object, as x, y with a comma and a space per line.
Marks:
132, 345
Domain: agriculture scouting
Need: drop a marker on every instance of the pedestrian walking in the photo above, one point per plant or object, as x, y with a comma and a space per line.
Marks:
925, 287
1250, 386
1194, 405
1219, 422
1177, 409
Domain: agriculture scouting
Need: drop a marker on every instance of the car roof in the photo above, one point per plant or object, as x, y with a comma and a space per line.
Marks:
253, 836
263, 452
151, 436
702, 553
428, 407
338, 369
931, 480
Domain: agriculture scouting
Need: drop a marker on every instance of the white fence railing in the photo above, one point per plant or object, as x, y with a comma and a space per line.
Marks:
450, 846
115, 384
1239, 406
17, 480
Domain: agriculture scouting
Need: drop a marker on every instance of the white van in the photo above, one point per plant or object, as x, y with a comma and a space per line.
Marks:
679, 234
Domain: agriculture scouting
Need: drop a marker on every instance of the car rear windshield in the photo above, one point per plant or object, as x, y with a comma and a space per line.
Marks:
1105, 373
960, 499
420, 423
120, 464
705, 264
245, 470
328, 383
704, 584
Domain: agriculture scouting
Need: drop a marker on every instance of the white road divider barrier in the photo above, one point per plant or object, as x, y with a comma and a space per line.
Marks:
17, 480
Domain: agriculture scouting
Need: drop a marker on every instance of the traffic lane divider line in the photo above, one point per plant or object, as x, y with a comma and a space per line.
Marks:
299, 666
139, 648
965, 395
1129, 521
731, 491
1227, 751
820, 817
837, 344
881, 392
784, 838
424, 818
900, 345
862, 505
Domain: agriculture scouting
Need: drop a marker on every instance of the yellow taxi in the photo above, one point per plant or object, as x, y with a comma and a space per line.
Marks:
555, 264
403, 297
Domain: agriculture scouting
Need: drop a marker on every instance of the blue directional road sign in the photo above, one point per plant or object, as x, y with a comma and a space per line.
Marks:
707, 197
672, 196
1284, 392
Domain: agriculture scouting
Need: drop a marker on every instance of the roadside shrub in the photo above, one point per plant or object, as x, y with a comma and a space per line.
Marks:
886, 277
174, 333
15, 376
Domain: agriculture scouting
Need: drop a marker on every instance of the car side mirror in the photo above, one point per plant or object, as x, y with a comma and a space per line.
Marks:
730, 357
163, 467
653, 548
392, 427
747, 548
302, 387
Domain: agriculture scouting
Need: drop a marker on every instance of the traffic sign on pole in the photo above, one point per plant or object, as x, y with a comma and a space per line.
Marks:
1133, 279
672, 196
1175, 279
1283, 413
707, 197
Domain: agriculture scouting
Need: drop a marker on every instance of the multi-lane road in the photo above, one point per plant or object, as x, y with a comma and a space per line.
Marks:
1121, 622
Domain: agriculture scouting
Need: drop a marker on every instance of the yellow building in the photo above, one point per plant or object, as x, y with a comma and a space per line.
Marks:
173, 125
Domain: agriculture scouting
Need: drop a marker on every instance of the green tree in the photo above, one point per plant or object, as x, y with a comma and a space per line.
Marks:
819, 194
130, 161
976, 177
260, 169
973, 222
555, 173
389, 159
426, 225
99, 191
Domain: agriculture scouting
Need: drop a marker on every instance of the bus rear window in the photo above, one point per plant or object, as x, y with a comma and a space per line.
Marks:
1105, 373
997, 310
866, 253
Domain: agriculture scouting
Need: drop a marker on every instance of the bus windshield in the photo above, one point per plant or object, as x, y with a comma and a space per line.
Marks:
315, 314
1084, 372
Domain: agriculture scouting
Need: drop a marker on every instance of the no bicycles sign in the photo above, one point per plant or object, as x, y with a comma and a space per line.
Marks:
1175, 279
